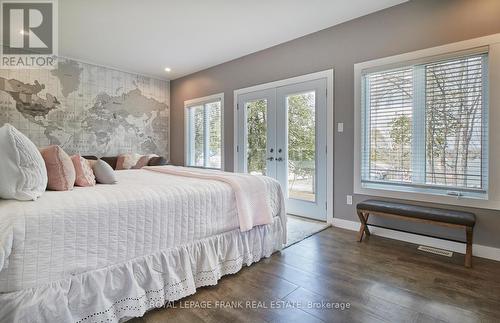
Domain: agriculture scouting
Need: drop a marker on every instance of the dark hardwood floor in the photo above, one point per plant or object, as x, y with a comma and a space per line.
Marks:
382, 280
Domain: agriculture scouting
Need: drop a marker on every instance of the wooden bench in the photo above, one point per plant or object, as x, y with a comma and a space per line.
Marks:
443, 217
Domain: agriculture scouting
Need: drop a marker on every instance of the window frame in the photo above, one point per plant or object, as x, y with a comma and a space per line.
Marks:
202, 101
489, 44
419, 131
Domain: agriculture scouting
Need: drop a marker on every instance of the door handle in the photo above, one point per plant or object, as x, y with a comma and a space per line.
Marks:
279, 159
270, 158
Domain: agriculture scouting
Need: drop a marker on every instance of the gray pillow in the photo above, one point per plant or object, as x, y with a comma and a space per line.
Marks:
157, 161
104, 173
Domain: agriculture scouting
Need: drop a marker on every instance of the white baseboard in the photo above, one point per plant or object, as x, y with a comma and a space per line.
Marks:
477, 250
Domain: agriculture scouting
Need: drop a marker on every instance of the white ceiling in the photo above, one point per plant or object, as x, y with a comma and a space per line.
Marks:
190, 35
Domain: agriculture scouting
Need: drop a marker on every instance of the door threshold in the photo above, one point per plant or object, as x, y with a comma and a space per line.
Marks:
305, 218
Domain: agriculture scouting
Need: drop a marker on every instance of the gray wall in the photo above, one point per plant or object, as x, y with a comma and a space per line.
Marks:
408, 27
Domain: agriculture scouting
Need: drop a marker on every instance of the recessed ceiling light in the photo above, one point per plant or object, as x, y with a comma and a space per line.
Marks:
167, 69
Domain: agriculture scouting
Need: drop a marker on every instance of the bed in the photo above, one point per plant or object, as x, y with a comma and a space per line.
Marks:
112, 252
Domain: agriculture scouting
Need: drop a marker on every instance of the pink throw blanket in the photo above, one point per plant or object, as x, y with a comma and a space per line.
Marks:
250, 192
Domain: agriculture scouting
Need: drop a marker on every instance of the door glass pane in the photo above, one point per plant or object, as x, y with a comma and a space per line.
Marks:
302, 146
215, 136
256, 136
197, 136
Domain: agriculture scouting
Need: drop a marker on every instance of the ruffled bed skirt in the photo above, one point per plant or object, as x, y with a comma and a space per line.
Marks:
126, 290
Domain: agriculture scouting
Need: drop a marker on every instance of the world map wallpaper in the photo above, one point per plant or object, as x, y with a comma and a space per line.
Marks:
87, 109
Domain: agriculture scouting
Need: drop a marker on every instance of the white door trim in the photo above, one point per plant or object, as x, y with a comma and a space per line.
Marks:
329, 75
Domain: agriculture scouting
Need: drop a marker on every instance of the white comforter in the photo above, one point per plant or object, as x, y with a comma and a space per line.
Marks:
250, 192
66, 233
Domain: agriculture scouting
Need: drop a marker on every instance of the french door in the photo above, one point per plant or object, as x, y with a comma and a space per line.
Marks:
283, 135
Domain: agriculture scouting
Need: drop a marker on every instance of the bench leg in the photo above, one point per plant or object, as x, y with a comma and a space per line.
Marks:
363, 218
468, 252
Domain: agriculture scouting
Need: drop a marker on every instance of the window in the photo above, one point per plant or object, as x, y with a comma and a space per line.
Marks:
204, 136
424, 127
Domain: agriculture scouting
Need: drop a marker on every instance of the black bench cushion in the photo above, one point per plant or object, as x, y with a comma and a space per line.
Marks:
420, 212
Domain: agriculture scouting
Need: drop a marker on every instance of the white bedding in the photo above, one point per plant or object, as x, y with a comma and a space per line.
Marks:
250, 192
67, 233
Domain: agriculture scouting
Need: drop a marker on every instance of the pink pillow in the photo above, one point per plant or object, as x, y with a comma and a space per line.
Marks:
60, 169
132, 161
143, 161
127, 161
84, 174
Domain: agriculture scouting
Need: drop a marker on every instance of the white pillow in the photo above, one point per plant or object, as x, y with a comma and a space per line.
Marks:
22, 170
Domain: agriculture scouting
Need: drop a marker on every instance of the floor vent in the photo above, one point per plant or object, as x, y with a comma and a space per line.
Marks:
436, 251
